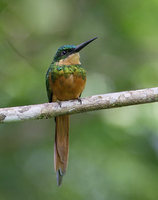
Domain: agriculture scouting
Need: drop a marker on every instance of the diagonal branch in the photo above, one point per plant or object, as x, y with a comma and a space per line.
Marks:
97, 102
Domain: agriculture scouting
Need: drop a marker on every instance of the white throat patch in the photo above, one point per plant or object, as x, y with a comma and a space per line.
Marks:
73, 59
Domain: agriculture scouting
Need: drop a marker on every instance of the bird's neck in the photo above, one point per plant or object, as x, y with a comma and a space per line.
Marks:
73, 59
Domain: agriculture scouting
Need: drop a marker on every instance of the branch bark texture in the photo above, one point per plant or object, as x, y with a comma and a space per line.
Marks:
97, 102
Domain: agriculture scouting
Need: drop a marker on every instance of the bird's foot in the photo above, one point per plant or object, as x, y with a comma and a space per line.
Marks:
79, 100
59, 103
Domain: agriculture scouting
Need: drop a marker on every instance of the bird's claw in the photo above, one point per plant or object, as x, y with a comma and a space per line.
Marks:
79, 100
59, 103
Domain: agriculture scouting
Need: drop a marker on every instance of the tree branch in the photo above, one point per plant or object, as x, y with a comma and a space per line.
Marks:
97, 102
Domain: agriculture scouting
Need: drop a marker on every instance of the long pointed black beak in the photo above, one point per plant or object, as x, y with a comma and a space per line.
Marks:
82, 45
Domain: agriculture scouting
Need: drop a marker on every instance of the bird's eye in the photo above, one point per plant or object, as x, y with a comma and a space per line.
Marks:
63, 52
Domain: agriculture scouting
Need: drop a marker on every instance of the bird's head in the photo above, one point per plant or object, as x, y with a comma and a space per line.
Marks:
69, 54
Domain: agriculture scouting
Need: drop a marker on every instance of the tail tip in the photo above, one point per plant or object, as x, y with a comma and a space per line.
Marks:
60, 175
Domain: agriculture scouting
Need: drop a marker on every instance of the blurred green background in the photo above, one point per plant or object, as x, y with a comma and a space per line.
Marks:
113, 153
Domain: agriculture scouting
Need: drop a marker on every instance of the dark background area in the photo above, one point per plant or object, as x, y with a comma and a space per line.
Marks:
113, 153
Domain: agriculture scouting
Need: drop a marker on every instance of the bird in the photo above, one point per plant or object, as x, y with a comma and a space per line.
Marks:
65, 80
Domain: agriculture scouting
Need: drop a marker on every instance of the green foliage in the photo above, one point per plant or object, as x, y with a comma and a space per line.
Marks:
113, 153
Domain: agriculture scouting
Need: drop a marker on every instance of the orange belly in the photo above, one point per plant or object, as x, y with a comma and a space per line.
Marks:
66, 88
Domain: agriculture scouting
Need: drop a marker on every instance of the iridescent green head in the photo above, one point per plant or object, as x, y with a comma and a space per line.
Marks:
65, 51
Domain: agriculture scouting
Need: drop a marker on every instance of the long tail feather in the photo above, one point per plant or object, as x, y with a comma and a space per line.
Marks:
61, 146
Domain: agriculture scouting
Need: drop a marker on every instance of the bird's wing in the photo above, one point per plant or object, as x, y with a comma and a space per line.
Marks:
49, 90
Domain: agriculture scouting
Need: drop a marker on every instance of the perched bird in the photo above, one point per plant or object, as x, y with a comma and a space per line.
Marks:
65, 80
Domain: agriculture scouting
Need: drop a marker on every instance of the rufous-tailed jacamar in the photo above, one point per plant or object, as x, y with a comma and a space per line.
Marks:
65, 80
